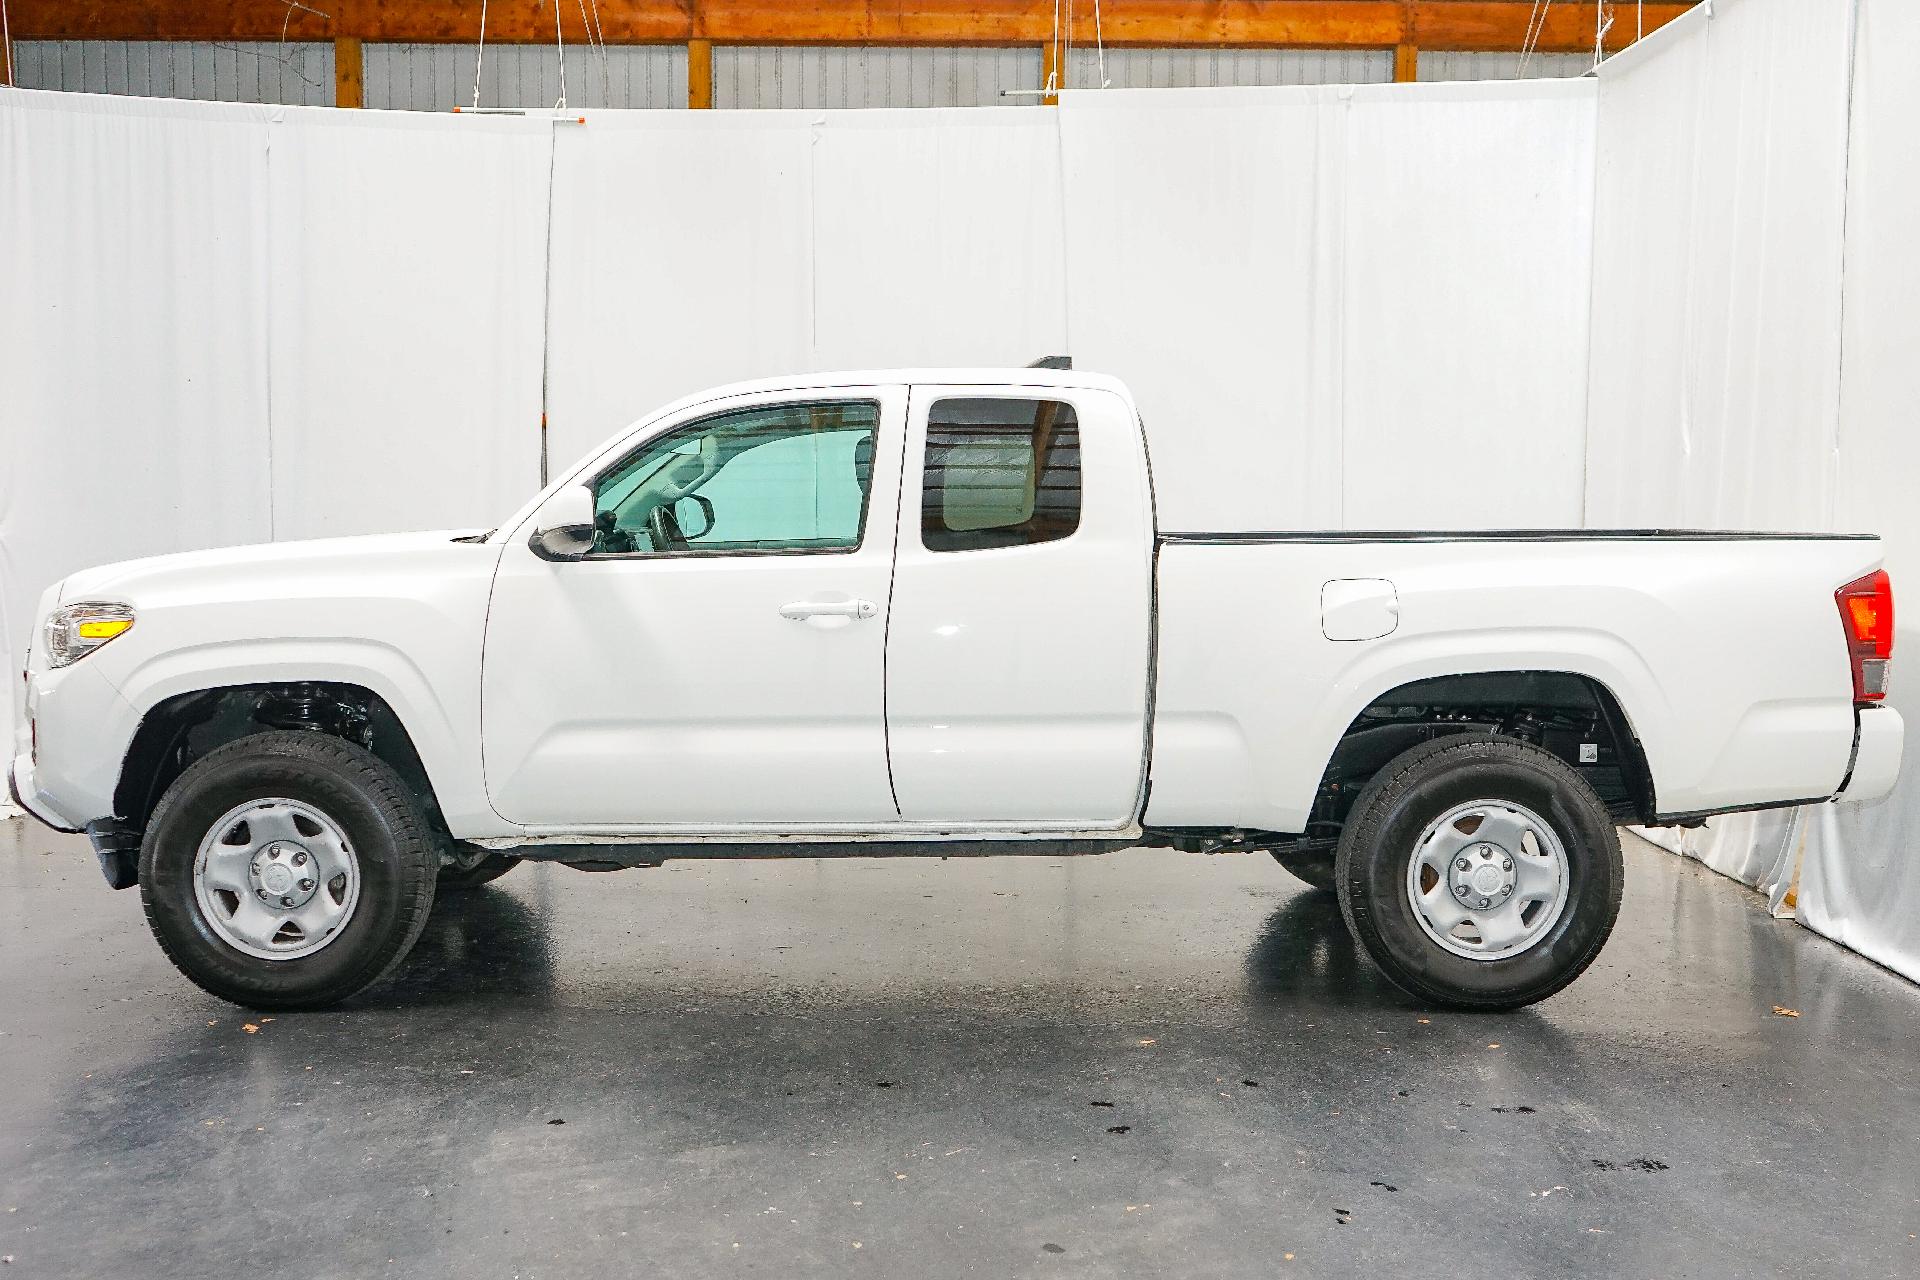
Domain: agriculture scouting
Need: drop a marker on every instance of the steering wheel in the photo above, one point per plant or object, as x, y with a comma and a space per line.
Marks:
664, 528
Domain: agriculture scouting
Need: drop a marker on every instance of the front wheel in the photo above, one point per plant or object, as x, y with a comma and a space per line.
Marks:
1479, 873
287, 870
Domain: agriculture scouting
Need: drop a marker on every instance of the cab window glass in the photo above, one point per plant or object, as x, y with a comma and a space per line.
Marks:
999, 473
790, 477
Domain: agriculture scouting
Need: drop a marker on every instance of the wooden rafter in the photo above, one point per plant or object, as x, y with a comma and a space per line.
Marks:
1413, 24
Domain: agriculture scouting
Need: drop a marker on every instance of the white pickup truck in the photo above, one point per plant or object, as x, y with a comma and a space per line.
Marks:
931, 613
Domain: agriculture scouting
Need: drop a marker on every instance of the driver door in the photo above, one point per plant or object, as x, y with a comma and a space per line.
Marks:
717, 661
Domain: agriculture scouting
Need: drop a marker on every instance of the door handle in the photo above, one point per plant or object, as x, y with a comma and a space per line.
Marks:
801, 610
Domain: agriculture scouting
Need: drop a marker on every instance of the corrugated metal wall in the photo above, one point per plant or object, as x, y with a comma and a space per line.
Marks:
1190, 68
1440, 64
439, 77
810, 76
298, 73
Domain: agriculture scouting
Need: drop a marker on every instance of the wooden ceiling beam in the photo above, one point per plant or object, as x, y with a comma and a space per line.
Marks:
1425, 24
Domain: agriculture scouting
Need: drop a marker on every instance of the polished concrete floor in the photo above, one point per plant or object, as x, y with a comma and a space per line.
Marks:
1144, 1064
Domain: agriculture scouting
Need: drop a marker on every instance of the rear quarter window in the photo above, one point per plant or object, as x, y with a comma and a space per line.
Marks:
999, 473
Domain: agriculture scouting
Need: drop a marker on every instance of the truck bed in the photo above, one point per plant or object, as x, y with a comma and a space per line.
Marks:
1725, 651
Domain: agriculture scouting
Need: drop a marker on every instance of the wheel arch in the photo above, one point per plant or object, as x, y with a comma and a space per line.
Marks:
183, 727
440, 726
1572, 714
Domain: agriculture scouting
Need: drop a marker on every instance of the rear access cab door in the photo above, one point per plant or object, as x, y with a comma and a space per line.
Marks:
1020, 638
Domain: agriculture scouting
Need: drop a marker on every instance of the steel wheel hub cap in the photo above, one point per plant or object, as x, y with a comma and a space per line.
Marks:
276, 878
1488, 879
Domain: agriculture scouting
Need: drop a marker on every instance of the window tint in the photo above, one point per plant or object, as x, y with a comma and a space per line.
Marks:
791, 477
999, 473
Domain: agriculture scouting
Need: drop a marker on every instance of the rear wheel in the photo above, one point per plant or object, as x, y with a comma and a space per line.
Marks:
287, 870
1479, 872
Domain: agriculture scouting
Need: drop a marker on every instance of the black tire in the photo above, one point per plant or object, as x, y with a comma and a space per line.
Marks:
390, 842
1312, 868
1417, 788
474, 867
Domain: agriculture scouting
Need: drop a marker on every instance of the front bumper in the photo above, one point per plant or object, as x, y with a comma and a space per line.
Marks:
69, 745
20, 787
115, 844
1879, 738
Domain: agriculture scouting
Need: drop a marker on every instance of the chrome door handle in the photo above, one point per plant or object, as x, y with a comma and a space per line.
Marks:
801, 610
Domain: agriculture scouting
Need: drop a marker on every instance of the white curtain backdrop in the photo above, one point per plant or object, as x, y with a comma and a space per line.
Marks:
1299, 282
407, 281
1714, 378
1756, 309
692, 250
133, 338
1860, 881
681, 259
1716, 270
238, 323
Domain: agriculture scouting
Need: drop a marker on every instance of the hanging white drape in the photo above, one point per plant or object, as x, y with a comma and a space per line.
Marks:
133, 338
1860, 880
694, 250
407, 281
1299, 283
1716, 271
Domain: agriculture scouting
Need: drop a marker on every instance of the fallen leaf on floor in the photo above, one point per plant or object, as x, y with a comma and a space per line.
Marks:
1144, 1043
1781, 1011
250, 1029
1495, 1045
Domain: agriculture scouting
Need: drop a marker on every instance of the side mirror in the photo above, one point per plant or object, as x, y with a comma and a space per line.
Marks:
564, 529
688, 507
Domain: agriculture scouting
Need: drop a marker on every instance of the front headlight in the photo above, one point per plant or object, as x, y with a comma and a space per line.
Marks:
76, 630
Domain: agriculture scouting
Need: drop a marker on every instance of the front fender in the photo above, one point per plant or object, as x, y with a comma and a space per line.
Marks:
442, 722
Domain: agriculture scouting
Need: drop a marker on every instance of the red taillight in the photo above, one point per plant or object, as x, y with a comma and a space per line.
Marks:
1866, 611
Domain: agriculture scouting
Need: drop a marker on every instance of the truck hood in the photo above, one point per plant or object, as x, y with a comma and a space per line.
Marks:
276, 567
